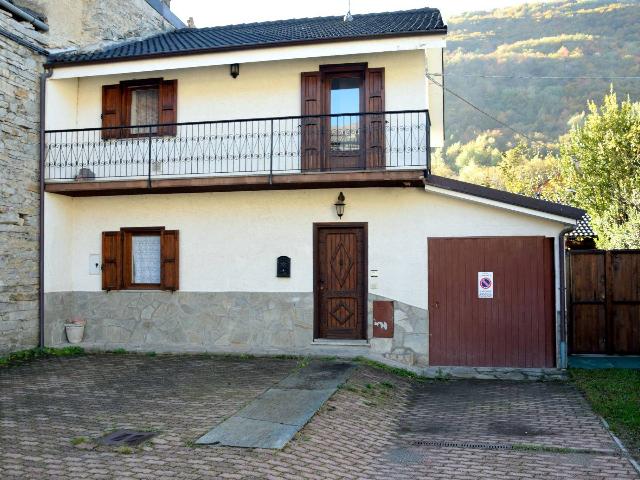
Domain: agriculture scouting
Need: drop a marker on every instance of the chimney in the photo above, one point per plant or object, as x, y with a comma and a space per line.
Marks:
191, 23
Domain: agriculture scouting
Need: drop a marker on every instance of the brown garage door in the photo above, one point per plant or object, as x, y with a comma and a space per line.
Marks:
515, 328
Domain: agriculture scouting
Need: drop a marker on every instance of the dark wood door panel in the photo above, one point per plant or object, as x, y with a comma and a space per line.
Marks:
589, 328
340, 281
626, 329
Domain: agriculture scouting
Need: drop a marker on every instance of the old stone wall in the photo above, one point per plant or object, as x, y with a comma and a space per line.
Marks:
89, 23
239, 322
20, 68
72, 24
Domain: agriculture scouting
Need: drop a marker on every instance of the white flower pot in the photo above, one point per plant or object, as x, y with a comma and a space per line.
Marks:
74, 331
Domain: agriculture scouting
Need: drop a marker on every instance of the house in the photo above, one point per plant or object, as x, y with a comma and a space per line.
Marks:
29, 31
266, 188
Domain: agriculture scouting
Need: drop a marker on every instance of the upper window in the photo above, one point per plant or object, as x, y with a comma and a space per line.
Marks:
142, 104
344, 101
151, 102
140, 259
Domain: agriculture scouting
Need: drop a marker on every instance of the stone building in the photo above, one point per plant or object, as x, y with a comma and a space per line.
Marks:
29, 30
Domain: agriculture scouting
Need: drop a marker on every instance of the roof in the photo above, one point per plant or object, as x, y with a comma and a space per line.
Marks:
583, 228
523, 201
265, 34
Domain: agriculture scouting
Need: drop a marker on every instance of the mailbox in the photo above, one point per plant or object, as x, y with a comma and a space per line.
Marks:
283, 267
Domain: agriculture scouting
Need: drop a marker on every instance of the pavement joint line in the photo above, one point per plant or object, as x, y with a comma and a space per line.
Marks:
618, 442
517, 447
267, 421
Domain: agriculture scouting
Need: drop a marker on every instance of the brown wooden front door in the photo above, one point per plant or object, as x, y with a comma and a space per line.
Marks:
340, 253
514, 328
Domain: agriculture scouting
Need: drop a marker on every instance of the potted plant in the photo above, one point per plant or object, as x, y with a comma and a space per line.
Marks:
75, 329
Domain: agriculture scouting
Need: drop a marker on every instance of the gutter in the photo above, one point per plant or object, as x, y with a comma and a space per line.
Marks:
161, 7
563, 351
22, 42
18, 12
43, 90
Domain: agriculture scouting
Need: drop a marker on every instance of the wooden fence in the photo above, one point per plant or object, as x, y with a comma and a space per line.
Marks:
604, 302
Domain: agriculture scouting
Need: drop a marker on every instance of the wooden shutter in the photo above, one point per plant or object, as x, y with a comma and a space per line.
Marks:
169, 106
311, 128
111, 111
375, 124
169, 253
111, 260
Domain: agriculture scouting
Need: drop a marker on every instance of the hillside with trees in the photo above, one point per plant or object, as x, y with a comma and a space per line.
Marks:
566, 123
588, 38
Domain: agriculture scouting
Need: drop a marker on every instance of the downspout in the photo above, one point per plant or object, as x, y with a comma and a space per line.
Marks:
18, 12
563, 354
43, 90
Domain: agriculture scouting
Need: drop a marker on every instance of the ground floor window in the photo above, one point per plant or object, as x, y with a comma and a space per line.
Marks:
141, 258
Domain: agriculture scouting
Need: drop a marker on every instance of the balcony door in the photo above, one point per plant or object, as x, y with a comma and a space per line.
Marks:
348, 132
344, 101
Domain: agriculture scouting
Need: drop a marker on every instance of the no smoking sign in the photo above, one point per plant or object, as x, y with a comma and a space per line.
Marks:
485, 284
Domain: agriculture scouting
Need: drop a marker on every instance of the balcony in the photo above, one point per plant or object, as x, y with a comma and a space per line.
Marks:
360, 149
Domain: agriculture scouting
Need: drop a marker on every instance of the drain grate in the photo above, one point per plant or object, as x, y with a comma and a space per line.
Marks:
483, 446
130, 438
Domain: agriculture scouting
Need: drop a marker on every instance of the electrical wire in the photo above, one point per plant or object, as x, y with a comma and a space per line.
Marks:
544, 77
500, 122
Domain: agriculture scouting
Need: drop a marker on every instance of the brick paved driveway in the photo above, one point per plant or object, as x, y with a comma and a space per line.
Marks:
376, 426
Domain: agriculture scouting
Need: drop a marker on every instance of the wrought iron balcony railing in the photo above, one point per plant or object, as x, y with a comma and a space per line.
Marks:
258, 146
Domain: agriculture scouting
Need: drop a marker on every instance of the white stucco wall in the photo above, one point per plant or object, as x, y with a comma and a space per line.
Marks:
58, 242
229, 242
263, 89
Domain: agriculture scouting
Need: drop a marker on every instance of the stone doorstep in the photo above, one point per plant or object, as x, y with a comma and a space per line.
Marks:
341, 343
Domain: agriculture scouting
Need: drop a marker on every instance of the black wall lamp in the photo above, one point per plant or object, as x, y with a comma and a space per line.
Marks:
340, 205
234, 70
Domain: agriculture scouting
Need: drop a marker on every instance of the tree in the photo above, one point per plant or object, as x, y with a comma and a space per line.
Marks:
526, 172
601, 161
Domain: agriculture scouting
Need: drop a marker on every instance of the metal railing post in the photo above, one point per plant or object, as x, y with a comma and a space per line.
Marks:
271, 156
428, 139
149, 172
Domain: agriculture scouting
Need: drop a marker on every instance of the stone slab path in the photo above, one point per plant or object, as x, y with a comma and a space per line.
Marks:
272, 419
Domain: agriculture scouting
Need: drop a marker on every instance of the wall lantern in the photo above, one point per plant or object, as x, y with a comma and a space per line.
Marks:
340, 205
234, 70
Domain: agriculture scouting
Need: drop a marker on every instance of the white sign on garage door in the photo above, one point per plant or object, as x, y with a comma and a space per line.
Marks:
485, 284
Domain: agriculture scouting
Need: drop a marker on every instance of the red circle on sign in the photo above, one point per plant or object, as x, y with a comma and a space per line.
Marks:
485, 283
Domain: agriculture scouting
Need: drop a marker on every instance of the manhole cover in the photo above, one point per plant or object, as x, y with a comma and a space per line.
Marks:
125, 437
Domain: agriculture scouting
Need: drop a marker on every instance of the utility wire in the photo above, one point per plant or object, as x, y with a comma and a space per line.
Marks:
545, 77
461, 98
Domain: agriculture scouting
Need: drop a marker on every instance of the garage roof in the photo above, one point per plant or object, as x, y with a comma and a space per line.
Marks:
523, 201
266, 34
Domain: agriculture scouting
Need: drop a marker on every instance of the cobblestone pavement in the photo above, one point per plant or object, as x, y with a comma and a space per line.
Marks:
376, 426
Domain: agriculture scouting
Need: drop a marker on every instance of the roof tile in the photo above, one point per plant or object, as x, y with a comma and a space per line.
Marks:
230, 37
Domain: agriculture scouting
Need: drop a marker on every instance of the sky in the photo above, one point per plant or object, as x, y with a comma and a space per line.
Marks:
208, 13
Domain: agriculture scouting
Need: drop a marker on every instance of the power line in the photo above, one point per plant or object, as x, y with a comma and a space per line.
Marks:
544, 77
461, 98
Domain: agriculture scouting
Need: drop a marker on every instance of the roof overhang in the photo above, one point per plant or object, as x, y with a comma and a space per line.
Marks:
504, 200
261, 53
